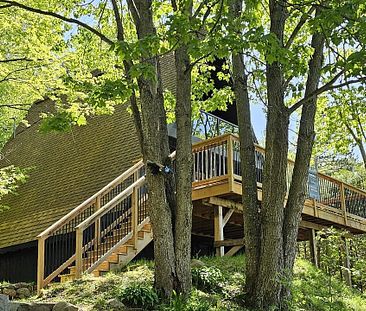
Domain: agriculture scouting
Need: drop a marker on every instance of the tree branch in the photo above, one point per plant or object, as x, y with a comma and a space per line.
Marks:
16, 59
298, 27
320, 90
117, 16
60, 17
14, 106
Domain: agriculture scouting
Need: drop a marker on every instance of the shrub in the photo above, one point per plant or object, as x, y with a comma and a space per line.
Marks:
197, 301
207, 278
138, 296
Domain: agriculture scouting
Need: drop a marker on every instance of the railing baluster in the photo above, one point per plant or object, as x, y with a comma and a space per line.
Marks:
134, 215
230, 161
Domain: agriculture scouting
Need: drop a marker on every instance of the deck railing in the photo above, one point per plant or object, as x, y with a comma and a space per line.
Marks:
110, 227
218, 160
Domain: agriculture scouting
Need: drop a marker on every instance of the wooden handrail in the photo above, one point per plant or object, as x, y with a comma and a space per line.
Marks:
211, 141
107, 207
58, 224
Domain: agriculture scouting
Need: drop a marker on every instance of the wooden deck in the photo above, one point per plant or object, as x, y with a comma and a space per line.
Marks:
108, 229
217, 190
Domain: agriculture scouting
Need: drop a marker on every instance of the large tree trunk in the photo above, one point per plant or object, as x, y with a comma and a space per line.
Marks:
270, 274
170, 206
156, 150
183, 221
305, 142
251, 215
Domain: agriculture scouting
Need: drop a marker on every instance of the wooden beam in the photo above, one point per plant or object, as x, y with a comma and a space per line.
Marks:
219, 229
202, 235
231, 242
224, 202
40, 264
227, 216
234, 250
311, 225
314, 248
343, 203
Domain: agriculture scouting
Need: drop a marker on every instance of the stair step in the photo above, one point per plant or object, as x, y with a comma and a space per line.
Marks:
147, 227
67, 277
122, 255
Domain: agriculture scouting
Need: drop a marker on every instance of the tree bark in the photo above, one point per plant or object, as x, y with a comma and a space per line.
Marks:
274, 182
251, 215
183, 221
305, 142
156, 150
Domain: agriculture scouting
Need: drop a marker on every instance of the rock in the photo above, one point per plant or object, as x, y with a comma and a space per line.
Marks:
64, 306
4, 303
23, 292
22, 306
115, 305
20, 285
195, 263
9, 292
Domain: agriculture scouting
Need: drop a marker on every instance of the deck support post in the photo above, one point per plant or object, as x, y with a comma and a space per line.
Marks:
40, 264
219, 229
314, 248
346, 271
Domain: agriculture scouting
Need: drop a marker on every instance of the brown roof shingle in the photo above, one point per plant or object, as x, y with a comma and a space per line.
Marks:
67, 169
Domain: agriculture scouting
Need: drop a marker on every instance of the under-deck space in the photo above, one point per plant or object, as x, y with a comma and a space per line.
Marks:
217, 191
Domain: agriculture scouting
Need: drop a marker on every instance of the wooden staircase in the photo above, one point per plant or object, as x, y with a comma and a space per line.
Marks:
121, 256
102, 234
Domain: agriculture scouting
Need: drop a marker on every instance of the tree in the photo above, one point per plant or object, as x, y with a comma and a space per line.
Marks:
129, 41
342, 118
284, 49
27, 67
10, 179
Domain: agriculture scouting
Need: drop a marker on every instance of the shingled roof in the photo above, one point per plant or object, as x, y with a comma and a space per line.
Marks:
67, 169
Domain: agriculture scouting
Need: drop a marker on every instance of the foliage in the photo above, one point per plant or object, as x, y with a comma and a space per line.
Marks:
207, 278
138, 296
333, 245
197, 301
341, 120
11, 178
312, 289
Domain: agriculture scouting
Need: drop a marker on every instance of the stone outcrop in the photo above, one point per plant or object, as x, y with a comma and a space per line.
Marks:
7, 305
17, 291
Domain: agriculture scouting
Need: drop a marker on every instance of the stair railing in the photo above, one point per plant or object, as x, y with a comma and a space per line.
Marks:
119, 221
56, 244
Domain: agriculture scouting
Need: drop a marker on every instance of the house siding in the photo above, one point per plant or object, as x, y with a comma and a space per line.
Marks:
19, 263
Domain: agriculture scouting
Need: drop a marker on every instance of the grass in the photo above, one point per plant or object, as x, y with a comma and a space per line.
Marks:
312, 289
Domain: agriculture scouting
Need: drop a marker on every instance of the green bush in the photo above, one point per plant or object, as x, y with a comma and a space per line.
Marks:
197, 301
207, 279
138, 296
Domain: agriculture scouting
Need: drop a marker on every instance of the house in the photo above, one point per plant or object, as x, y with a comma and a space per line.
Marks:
84, 208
